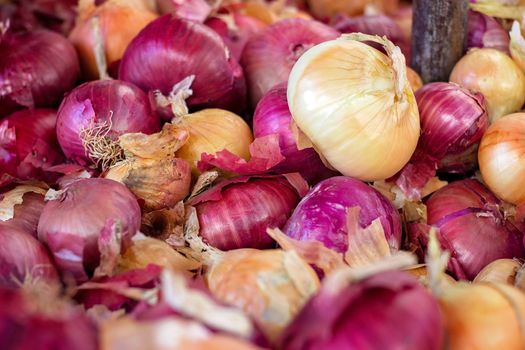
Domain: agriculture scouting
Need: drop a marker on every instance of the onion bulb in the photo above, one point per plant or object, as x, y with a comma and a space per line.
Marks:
356, 106
500, 158
496, 76
326, 9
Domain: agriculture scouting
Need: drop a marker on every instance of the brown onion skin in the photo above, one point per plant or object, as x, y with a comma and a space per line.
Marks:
27, 214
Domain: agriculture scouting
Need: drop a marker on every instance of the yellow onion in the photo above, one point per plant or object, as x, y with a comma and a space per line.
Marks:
500, 158
326, 9
506, 271
213, 130
496, 76
517, 45
356, 106
414, 79
119, 21
421, 273
269, 13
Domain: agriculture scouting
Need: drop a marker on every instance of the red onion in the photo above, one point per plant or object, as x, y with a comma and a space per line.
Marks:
472, 226
486, 32
71, 224
36, 69
193, 10
322, 213
236, 213
268, 57
28, 144
97, 113
272, 116
169, 50
23, 257
390, 310
22, 207
235, 29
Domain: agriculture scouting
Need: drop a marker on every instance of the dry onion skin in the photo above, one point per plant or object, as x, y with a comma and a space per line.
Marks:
506, 271
356, 106
500, 158
496, 76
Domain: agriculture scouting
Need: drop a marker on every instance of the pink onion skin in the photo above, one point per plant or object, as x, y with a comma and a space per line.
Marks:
169, 49
126, 106
486, 32
29, 145
193, 10
236, 39
27, 214
268, 57
23, 256
92, 205
36, 69
236, 213
471, 226
390, 310
322, 213
272, 116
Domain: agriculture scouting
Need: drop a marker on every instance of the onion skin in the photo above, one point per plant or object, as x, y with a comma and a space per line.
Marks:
500, 155
322, 213
341, 319
485, 32
501, 271
268, 57
158, 58
470, 226
414, 79
26, 203
114, 102
91, 206
36, 69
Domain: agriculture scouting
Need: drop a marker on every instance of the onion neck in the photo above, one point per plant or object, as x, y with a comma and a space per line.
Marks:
176, 100
98, 49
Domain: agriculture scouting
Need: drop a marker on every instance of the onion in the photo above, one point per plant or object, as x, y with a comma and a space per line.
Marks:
500, 155
380, 312
414, 79
326, 9
120, 21
403, 18
472, 226
323, 213
485, 32
170, 49
22, 207
193, 10
28, 144
363, 128
506, 271
36, 69
272, 116
236, 213
477, 71
23, 258
95, 114
93, 207
517, 45
268, 57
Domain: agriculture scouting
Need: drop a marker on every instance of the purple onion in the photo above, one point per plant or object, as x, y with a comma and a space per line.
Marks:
22, 206
486, 32
272, 116
113, 107
193, 10
71, 224
322, 213
268, 57
390, 310
170, 49
36, 69
472, 226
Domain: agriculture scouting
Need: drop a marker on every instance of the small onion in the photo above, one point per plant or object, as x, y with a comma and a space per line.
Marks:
95, 114
499, 156
36, 69
170, 49
496, 76
485, 32
92, 206
268, 57
120, 22
356, 106
22, 207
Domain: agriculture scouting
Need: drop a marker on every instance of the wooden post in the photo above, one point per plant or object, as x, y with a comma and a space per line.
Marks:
439, 31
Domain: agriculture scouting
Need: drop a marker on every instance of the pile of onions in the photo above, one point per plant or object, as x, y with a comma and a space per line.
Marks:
500, 154
236, 213
22, 258
28, 144
379, 312
169, 50
119, 22
268, 57
476, 72
22, 207
485, 32
93, 115
322, 214
36, 69
272, 116
362, 128
93, 207
472, 226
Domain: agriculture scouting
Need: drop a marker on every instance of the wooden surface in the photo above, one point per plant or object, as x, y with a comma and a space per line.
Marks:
438, 37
